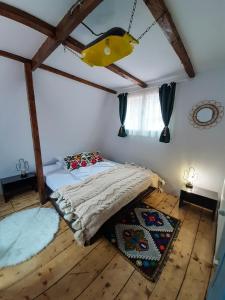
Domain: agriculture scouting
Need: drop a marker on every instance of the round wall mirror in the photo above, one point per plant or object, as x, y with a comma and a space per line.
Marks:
206, 114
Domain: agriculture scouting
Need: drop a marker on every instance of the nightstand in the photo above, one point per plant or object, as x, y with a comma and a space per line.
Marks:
201, 197
16, 184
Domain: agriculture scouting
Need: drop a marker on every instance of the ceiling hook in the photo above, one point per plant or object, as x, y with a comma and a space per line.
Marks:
73, 7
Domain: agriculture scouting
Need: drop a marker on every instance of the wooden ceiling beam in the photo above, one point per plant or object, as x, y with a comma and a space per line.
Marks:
14, 57
56, 71
75, 78
74, 44
24, 18
69, 22
161, 13
27, 19
126, 75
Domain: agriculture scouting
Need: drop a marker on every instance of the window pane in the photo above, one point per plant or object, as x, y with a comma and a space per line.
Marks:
133, 117
152, 119
144, 113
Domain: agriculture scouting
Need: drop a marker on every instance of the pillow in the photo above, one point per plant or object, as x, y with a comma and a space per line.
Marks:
60, 164
82, 159
94, 157
76, 161
59, 158
71, 163
50, 169
51, 162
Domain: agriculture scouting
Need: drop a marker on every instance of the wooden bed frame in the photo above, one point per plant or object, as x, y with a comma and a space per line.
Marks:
99, 233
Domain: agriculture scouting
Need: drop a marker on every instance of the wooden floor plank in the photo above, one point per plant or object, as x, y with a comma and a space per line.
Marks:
83, 273
62, 227
137, 287
25, 200
11, 275
168, 203
5, 209
154, 198
178, 212
108, 284
199, 268
36, 283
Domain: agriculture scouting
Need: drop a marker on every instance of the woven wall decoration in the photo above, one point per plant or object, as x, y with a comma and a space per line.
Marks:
206, 114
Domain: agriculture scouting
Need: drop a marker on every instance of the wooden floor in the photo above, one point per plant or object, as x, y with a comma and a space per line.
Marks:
65, 270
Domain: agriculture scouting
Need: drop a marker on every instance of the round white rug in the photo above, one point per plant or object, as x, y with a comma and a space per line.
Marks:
25, 233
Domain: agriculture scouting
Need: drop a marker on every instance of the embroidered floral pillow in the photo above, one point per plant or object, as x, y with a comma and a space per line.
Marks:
95, 157
73, 162
82, 159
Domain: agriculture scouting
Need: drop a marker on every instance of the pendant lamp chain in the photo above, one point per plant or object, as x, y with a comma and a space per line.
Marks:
132, 16
130, 23
148, 28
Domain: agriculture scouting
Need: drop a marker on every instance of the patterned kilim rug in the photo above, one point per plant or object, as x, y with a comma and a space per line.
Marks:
144, 236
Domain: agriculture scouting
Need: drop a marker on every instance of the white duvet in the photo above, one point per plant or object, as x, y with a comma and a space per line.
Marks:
91, 203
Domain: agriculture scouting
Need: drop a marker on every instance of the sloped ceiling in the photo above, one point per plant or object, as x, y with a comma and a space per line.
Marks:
200, 23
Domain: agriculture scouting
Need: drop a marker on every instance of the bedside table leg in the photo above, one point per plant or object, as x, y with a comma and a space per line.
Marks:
214, 214
181, 202
6, 198
34, 187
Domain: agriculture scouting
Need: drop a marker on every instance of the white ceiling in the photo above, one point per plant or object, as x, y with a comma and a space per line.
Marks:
19, 39
201, 24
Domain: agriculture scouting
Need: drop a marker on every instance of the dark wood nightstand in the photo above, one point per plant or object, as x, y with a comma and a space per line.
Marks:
16, 184
200, 197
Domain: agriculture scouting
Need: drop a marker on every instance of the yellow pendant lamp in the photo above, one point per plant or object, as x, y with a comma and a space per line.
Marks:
112, 46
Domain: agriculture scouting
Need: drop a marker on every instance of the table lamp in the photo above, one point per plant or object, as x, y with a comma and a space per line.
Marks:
189, 177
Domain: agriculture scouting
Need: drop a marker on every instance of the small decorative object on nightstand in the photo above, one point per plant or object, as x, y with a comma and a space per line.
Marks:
189, 177
16, 184
200, 197
23, 167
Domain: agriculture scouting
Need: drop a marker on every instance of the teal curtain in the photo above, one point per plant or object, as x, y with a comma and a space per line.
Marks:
122, 113
166, 97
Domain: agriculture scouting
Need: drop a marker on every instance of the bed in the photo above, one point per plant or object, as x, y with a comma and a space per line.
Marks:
88, 197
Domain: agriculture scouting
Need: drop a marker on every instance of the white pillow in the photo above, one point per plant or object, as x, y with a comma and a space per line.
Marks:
60, 163
59, 158
50, 169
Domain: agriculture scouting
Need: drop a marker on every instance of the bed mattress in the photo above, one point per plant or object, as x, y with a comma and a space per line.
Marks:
56, 176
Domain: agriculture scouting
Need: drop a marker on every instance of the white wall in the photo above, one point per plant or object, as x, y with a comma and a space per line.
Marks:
204, 149
69, 116
15, 132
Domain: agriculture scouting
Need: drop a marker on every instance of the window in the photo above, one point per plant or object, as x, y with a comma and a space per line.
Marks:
144, 113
